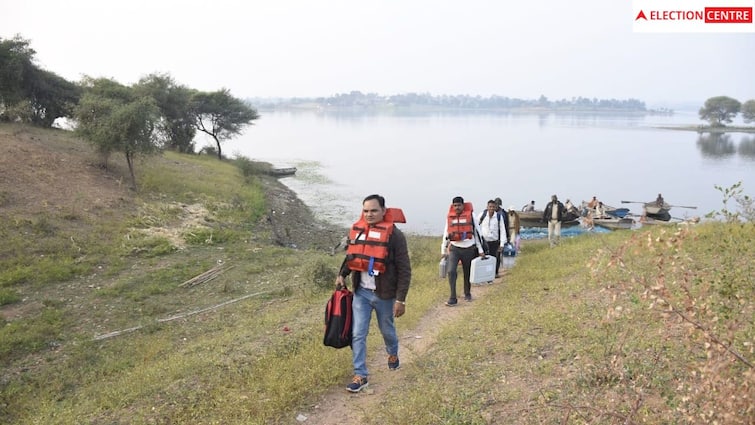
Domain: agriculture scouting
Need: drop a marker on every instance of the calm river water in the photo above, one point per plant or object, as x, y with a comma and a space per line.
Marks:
419, 162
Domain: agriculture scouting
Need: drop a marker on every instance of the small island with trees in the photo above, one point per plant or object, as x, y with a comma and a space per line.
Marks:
722, 110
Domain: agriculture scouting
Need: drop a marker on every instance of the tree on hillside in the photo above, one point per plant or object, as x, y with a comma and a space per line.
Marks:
748, 111
29, 93
221, 115
719, 110
115, 119
176, 127
15, 61
51, 97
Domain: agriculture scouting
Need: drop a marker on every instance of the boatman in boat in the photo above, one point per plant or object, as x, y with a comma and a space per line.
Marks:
461, 241
554, 215
593, 203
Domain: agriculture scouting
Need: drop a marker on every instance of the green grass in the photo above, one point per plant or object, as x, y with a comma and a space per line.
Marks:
627, 327
541, 343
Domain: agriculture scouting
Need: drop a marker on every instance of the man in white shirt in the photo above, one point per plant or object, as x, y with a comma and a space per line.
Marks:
495, 232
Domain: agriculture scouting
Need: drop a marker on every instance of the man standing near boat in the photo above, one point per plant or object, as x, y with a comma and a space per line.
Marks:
554, 215
514, 227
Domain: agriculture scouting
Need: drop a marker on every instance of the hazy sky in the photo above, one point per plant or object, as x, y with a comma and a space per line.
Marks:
286, 48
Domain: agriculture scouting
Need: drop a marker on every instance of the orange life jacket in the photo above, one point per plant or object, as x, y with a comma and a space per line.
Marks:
367, 249
460, 227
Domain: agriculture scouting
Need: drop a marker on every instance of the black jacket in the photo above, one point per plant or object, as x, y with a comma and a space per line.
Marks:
549, 209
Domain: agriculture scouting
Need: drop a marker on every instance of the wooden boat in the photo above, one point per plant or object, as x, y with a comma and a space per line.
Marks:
649, 221
655, 208
614, 223
281, 172
662, 216
607, 209
535, 219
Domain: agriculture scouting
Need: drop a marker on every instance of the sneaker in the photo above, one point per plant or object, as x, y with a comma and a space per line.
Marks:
467, 298
393, 363
451, 302
357, 384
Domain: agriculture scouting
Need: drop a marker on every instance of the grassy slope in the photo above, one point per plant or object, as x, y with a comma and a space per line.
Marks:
569, 338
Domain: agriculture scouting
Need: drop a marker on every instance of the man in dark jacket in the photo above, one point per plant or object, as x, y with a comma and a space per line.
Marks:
385, 292
554, 215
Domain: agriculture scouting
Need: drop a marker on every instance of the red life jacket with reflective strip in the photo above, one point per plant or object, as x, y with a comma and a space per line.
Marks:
460, 227
367, 249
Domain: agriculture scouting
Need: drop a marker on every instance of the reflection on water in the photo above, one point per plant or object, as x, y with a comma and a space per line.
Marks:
747, 147
716, 145
420, 162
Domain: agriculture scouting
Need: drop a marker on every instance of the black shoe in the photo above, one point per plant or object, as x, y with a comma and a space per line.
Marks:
393, 363
357, 384
452, 302
467, 298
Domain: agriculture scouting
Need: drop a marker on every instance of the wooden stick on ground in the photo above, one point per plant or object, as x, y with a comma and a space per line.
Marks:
183, 315
205, 277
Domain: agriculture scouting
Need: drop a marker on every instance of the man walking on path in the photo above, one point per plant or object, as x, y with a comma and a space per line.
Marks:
494, 227
553, 215
377, 258
461, 241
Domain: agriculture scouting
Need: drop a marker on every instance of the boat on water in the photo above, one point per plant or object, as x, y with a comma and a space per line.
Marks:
655, 208
281, 172
614, 223
664, 215
650, 221
607, 209
535, 219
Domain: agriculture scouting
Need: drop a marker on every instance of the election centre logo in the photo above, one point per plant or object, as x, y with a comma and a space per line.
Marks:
693, 16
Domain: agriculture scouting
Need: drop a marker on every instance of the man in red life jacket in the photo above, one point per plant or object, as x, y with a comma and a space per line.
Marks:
378, 261
461, 241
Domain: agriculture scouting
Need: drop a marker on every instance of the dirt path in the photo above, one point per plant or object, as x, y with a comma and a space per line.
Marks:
337, 405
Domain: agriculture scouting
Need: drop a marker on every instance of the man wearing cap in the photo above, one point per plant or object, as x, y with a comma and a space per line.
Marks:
461, 241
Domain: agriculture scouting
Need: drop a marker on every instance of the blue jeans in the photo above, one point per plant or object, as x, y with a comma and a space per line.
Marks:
364, 302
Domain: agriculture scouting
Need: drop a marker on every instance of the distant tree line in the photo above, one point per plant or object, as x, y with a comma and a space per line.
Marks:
357, 99
155, 113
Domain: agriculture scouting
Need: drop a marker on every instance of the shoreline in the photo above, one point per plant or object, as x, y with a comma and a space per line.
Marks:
292, 222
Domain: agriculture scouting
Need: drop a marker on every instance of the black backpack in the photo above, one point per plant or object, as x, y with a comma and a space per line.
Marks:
338, 319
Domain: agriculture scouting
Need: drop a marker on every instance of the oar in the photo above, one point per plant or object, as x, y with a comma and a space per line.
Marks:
669, 205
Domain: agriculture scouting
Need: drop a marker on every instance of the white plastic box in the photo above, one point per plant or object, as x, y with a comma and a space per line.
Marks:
483, 270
